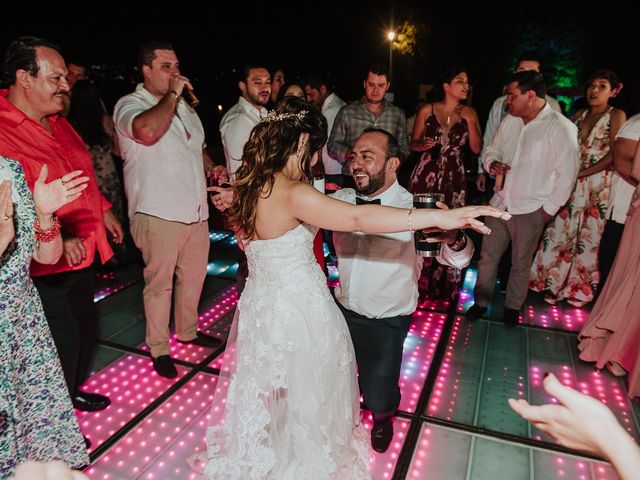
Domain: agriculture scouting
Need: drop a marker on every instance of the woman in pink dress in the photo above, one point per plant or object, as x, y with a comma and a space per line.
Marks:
611, 337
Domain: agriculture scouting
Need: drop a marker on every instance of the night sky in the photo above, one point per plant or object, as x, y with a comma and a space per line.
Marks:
345, 37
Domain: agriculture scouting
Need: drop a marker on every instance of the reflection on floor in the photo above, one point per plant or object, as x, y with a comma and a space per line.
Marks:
454, 421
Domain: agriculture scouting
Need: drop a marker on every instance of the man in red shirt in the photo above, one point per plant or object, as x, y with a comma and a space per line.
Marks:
32, 132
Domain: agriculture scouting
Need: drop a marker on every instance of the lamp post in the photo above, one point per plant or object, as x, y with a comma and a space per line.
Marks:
391, 35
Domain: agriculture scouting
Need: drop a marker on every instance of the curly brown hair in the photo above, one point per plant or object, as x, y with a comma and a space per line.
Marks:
266, 153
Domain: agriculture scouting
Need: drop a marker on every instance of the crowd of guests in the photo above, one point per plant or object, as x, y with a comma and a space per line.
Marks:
569, 185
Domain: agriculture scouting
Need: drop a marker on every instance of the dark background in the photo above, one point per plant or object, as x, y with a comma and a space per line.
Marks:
343, 38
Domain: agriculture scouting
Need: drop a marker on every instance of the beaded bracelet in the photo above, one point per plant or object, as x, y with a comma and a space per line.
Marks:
409, 225
49, 234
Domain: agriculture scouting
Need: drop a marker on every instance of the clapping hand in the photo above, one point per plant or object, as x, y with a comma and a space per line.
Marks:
7, 231
49, 197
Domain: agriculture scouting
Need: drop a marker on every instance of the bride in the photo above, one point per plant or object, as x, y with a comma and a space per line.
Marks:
287, 402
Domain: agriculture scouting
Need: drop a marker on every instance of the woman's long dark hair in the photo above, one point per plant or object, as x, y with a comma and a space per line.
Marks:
85, 114
267, 151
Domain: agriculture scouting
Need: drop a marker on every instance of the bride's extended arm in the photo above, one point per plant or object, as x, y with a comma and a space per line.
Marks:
310, 206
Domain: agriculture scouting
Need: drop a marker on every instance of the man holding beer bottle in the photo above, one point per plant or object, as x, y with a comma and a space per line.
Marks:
162, 144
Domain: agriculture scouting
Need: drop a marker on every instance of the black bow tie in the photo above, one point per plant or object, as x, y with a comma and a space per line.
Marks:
362, 201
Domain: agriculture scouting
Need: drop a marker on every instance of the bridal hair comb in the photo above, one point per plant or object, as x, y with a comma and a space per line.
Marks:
272, 116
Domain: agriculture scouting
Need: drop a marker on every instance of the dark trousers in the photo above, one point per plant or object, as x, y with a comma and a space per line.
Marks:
608, 248
67, 299
378, 345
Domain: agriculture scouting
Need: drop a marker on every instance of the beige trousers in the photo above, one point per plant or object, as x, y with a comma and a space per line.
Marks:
168, 249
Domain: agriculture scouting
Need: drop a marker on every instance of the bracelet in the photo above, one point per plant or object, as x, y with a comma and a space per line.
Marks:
49, 234
409, 225
175, 93
460, 242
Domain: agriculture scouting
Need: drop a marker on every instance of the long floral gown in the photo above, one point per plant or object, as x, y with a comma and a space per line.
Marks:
37, 421
566, 264
441, 170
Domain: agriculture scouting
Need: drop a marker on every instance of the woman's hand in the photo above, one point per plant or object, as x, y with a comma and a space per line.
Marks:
222, 198
427, 144
465, 217
49, 197
7, 230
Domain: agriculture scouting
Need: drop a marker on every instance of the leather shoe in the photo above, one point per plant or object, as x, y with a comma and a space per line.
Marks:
164, 366
475, 312
203, 340
382, 434
511, 317
90, 402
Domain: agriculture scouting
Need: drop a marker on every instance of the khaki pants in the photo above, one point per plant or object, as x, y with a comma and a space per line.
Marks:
523, 231
170, 248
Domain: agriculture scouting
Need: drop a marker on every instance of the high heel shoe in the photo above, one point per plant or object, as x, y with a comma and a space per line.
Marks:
616, 369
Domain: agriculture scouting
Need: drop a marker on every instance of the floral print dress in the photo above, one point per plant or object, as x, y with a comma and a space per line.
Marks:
37, 421
441, 170
566, 264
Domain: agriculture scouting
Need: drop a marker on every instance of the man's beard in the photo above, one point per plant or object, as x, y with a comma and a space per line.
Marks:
376, 182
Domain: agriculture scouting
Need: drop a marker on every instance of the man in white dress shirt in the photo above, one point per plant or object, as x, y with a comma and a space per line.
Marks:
527, 61
536, 148
378, 289
162, 143
320, 91
236, 125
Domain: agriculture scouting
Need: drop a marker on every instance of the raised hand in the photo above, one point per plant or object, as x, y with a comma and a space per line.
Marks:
49, 197
7, 230
465, 217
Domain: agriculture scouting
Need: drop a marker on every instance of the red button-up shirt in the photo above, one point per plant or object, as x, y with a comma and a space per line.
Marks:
62, 149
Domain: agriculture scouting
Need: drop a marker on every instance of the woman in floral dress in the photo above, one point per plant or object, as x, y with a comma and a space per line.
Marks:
566, 264
37, 421
442, 130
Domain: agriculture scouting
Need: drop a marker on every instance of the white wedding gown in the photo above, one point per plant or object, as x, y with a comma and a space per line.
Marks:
288, 376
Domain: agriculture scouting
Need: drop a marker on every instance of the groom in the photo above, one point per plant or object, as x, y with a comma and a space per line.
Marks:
378, 289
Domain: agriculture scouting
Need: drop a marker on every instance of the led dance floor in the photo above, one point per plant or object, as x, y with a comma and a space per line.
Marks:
454, 422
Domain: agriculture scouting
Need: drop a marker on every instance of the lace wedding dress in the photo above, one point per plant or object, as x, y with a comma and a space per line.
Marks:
287, 404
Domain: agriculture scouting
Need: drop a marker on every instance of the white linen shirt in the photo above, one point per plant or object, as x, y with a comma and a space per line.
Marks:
330, 108
379, 273
165, 179
621, 190
235, 129
544, 158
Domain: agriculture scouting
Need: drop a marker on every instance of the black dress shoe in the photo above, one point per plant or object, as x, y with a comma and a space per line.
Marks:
87, 442
90, 402
163, 365
382, 434
475, 312
511, 316
203, 340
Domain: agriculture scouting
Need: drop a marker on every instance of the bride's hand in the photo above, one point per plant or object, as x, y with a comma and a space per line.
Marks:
49, 197
465, 217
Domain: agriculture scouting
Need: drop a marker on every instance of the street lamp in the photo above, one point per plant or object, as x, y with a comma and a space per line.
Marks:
391, 35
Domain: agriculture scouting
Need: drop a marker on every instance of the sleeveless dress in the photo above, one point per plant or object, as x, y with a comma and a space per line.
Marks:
37, 421
566, 264
612, 333
287, 402
441, 170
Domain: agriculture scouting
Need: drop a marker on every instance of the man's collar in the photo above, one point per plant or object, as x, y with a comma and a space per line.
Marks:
13, 115
247, 105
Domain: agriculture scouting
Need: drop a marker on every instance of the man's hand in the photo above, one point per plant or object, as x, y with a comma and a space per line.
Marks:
437, 235
547, 217
497, 167
222, 198
113, 226
73, 251
481, 182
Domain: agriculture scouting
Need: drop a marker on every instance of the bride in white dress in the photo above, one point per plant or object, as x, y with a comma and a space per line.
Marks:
287, 402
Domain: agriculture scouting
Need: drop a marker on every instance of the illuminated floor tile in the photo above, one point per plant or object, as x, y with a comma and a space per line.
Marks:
132, 385
452, 454
165, 438
113, 281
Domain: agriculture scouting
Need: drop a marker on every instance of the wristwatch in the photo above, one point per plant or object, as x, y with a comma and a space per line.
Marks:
460, 242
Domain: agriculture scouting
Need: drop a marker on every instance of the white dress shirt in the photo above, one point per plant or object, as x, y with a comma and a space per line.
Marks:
379, 273
165, 179
621, 190
235, 129
544, 158
330, 108
496, 115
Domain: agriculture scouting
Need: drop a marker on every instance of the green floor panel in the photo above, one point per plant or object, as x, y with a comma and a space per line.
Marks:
113, 303
496, 460
104, 356
441, 453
